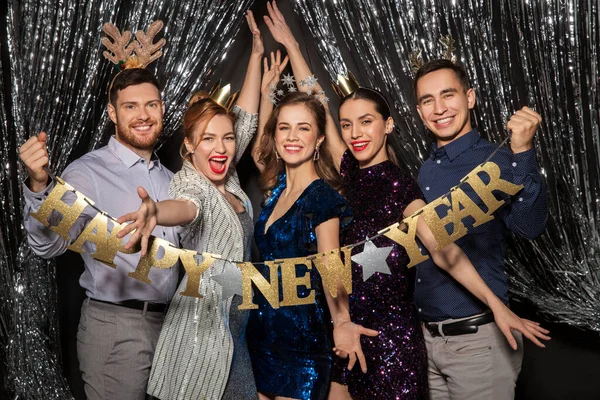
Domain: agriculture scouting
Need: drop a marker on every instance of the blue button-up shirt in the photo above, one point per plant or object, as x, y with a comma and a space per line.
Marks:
437, 295
109, 176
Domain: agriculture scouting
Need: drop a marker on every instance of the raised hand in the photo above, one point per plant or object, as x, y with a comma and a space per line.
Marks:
271, 74
144, 221
257, 44
508, 321
346, 336
279, 29
523, 125
34, 155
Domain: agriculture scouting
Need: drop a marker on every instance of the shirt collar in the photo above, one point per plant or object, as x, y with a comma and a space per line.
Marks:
127, 156
456, 147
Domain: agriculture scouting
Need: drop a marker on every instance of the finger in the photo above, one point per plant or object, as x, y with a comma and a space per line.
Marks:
352, 361
277, 12
265, 66
251, 21
532, 113
284, 63
531, 337
142, 193
269, 23
42, 137
524, 116
368, 332
144, 244
273, 59
362, 361
509, 336
133, 239
270, 10
30, 147
278, 57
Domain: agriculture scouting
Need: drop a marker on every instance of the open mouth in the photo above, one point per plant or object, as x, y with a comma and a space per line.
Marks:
292, 149
359, 145
218, 164
142, 128
444, 121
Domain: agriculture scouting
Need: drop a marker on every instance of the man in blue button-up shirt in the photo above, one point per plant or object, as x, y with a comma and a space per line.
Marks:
468, 356
121, 319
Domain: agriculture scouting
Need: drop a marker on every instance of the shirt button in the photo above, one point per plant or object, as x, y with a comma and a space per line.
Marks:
520, 199
427, 188
419, 310
418, 280
439, 161
514, 164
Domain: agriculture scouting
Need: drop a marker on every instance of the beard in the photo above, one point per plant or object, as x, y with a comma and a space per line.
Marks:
141, 141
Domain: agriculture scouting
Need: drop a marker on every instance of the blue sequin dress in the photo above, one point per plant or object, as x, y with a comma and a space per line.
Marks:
291, 347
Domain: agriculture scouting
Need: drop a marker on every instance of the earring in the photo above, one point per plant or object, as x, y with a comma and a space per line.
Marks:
316, 154
277, 156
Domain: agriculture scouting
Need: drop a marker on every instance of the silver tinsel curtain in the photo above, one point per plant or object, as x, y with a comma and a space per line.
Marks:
543, 54
55, 79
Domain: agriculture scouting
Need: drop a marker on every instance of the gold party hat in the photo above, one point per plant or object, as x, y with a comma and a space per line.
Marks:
346, 85
222, 96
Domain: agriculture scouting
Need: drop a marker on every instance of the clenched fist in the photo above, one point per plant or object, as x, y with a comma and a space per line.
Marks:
34, 155
523, 125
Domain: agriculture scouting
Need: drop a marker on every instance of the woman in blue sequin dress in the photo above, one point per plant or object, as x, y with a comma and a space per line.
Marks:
291, 347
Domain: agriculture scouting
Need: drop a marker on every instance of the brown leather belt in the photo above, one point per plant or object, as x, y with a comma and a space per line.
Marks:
136, 305
466, 326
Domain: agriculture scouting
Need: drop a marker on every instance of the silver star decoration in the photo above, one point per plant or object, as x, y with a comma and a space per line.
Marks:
272, 87
280, 92
310, 81
230, 280
288, 80
372, 259
292, 89
325, 99
309, 92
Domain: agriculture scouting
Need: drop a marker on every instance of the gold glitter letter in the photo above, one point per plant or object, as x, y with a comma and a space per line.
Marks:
194, 271
54, 203
269, 289
496, 183
149, 260
290, 282
407, 239
331, 267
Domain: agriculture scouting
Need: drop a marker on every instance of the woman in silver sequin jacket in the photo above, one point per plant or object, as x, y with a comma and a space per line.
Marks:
202, 351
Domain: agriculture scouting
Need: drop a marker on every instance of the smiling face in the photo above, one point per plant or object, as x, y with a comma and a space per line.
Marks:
213, 150
138, 116
365, 131
296, 135
444, 105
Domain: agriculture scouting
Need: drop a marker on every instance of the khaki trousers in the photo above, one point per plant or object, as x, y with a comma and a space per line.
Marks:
480, 365
115, 346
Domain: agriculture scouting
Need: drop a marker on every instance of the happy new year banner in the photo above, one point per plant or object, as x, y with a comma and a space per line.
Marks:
332, 266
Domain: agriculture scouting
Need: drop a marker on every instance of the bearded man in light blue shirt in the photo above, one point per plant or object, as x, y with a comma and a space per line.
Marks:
121, 318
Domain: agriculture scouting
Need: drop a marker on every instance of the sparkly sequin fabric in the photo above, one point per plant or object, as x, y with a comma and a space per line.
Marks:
397, 358
291, 347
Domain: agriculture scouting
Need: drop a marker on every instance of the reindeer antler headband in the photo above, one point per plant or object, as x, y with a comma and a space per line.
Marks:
447, 42
137, 54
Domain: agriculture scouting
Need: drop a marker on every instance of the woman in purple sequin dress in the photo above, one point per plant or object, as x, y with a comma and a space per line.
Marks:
380, 193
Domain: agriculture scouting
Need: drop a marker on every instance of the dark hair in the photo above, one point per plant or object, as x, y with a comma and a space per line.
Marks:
130, 77
266, 152
381, 106
200, 111
436, 65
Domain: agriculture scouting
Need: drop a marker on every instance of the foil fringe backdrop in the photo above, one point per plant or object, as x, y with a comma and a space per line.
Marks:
517, 52
58, 83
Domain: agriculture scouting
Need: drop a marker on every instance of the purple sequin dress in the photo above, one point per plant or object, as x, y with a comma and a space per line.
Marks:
397, 358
